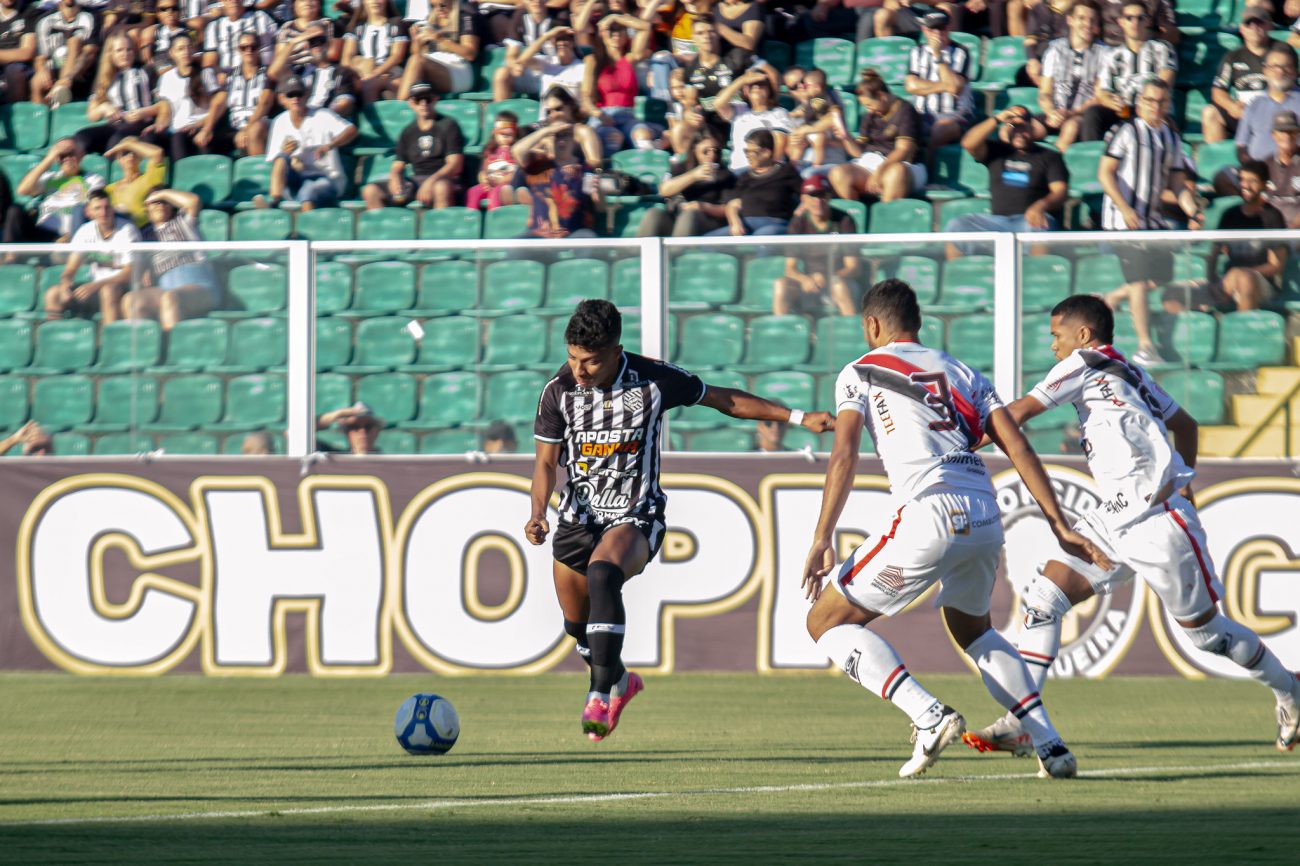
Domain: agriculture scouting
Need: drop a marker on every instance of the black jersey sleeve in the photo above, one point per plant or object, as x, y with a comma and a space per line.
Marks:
549, 424
679, 387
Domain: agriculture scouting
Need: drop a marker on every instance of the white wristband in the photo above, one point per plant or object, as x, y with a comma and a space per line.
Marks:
796, 416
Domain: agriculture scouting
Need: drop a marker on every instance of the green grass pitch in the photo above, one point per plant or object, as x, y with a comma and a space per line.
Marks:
711, 768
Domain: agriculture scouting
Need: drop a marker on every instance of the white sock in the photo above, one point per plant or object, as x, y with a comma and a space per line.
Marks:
1008, 681
1039, 639
871, 662
1232, 640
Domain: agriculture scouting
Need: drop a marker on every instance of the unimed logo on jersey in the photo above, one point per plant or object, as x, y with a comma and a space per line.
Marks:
1095, 634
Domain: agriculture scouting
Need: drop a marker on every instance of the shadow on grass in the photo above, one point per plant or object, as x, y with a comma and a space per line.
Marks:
827, 832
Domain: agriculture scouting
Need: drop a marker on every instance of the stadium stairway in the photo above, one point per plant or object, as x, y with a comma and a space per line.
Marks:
1261, 418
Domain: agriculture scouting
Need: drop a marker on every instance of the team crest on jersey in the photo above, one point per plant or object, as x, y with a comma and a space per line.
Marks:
960, 522
1095, 634
632, 401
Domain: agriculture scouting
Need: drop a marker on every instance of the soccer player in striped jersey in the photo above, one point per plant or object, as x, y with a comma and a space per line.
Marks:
601, 418
1146, 522
927, 411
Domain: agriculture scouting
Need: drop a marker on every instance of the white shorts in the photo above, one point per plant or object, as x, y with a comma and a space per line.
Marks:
954, 537
461, 72
1167, 548
871, 161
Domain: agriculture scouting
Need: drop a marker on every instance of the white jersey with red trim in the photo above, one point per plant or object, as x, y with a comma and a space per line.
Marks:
1122, 414
926, 411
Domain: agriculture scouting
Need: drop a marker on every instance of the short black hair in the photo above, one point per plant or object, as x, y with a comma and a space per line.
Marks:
1255, 167
98, 194
761, 138
893, 302
1088, 310
596, 324
499, 431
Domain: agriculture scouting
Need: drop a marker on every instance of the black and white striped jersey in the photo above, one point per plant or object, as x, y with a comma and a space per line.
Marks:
376, 41
610, 437
1074, 74
53, 32
131, 89
1125, 70
221, 37
242, 95
925, 65
1147, 156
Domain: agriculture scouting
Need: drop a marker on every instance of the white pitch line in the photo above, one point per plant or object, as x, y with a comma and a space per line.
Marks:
430, 805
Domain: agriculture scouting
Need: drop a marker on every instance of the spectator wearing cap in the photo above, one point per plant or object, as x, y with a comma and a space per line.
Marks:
434, 148
1255, 129
1159, 14
1240, 78
102, 293
937, 74
1028, 184
899, 18
17, 50
1137, 59
184, 286
766, 195
359, 424
885, 150
304, 147
35, 441
499, 438
550, 60
1067, 85
1255, 266
809, 291
59, 188
695, 193
1284, 168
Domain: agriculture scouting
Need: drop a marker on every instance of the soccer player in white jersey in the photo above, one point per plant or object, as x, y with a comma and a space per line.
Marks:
926, 411
1146, 522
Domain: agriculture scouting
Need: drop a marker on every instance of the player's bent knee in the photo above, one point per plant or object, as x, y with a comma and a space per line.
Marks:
604, 578
1223, 637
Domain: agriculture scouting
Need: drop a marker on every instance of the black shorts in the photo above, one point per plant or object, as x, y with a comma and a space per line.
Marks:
575, 542
1140, 263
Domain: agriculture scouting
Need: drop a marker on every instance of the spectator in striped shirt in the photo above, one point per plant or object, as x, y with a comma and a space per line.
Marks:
155, 39
376, 49
221, 37
1144, 170
123, 98
937, 79
65, 54
17, 51
1045, 22
247, 101
1067, 87
184, 286
1131, 63
294, 39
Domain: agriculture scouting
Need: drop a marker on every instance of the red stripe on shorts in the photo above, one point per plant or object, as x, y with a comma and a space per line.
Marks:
853, 572
1196, 548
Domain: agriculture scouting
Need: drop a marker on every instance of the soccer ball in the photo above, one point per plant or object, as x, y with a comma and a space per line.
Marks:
426, 724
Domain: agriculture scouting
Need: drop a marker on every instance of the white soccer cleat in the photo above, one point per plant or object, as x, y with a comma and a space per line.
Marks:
1004, 735
929, 742
1058, 763
1288, 726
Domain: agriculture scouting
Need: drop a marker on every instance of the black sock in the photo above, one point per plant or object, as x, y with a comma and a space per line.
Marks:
578, 631
605, 624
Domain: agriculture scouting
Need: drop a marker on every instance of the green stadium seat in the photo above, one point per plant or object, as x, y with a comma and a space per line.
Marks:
261, 225
627, 216
205, 175
448, 442
324, 224
1198, 59
124, 402
14, 166
513, 396
903, 216
1003, 59
758, 285
256, 345
70, 444
1126, 340
1195, 337
854, 210
379, 126
557, 350
333, 342
446, 287
1036, 344
920, 272
451, 224
1188, 266
651, 166
1026, 97
63, 402
796, 390
703, 280
17, 289
15, 344
958, 173
214, 225
395, 442
194, 345
949, 210
466, 115
511, 287
253, 402
490, 58
775, 343
234, 444
506, 222
1210, 159
250, 177
333, 391
129, 345
386, 224
199, 444
727, 440
970, 340
711, 340
381, 344
133, 442
256, 290
931, 333
526, 109
390, 395
1200, 392
888, 55
449, 343
333, 287
625, 282
572, 280
1044, 281
1082, 161
839, 340
698, 417
24, 126
514, 341
1098, 274
1208, 14
382, 288
448, 399
835, 57
1045, 441
1192, 104
188, 403
14, 406
67, 120
1249, 339
50, 275
967, 284
64, 345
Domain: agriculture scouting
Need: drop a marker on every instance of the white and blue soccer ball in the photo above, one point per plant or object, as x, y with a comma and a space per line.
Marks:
426, 724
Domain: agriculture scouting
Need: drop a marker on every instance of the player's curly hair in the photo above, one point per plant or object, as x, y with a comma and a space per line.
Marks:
893, 302
1091, 311
596, 324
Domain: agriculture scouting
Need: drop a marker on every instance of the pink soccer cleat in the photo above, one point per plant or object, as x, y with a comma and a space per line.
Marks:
595, 719
618, 702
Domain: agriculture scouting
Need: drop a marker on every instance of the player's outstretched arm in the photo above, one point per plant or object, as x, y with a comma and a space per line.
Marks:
548, 454
742, 404
1006, 433
840, 472
1020, 411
